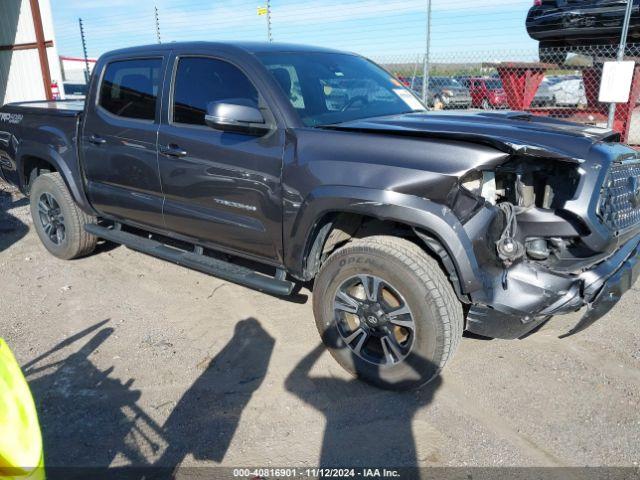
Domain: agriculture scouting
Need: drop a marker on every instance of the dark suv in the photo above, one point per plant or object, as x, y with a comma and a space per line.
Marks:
564, 25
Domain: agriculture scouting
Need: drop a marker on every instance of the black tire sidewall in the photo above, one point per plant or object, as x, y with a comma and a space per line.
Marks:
424, 361
44, 184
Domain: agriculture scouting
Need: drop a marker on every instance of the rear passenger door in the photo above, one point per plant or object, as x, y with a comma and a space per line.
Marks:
220, 187
119, 140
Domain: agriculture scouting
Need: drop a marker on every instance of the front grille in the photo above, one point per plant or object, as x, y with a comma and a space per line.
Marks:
619, 206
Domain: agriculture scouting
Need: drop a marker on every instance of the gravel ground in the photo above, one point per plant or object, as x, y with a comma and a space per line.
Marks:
134, 361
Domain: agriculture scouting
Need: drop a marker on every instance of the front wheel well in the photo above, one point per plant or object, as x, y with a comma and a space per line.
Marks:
336, 229
33, 167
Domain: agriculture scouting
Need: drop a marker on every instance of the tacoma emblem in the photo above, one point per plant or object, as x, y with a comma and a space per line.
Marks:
241, 206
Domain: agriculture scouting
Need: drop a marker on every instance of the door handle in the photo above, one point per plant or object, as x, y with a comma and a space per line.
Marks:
173, 150
97, 140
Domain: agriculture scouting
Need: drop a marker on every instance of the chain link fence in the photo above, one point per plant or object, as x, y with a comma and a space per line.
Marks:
561, 83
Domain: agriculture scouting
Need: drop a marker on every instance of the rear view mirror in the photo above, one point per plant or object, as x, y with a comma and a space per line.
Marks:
235, 117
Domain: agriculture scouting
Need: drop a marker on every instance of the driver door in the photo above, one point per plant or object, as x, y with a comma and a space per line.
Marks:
221, 188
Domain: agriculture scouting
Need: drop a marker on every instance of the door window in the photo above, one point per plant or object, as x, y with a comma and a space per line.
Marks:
202, 81
130, 88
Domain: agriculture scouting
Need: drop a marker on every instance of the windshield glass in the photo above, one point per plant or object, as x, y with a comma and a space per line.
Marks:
444, 82
494, 84
330, 88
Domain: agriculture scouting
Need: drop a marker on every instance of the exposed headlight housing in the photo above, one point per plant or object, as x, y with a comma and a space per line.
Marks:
481, 184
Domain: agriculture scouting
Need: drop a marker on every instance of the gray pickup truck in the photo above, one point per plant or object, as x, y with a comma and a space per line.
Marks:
275, 166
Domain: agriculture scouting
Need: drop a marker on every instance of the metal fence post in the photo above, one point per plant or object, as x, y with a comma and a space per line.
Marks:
269, 35
84, 51
620, 57
426, 66
157, 18
415, 73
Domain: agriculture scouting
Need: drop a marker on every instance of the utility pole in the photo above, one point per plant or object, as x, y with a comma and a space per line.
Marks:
269, 35
620, 58
157, 17
427, 59
84, 50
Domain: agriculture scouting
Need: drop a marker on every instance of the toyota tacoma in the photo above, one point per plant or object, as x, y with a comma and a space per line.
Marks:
275, 166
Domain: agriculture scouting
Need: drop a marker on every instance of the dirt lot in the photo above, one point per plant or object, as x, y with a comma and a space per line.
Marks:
134, 361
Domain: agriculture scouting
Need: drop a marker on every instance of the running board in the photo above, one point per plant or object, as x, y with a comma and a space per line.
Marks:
212, 266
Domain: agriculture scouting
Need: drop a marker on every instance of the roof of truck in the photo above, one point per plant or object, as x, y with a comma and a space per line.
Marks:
249, 47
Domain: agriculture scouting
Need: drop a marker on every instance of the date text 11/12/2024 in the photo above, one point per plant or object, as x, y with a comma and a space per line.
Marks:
294, 473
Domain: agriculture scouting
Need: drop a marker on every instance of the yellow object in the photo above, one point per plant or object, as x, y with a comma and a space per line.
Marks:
21, 454
262, 11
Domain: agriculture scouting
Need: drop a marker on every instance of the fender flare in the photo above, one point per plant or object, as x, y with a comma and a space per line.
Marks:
48, 154
437, 220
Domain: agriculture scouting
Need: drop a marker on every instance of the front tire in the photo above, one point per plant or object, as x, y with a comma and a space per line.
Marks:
387, 312
58, 220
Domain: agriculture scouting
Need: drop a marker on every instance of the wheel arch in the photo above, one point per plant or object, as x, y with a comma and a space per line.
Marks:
333, 215
42, 157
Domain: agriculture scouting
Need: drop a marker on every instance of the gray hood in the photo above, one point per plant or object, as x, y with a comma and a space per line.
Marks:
512, 132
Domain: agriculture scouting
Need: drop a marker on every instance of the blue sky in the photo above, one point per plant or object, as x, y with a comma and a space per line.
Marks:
379, 29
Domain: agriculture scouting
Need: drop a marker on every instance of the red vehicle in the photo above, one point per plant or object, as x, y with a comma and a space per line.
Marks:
487, 93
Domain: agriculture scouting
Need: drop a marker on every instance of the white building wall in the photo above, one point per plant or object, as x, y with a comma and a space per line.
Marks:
20, 73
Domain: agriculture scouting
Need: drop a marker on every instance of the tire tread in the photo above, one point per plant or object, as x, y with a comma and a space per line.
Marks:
429, 272
83, 242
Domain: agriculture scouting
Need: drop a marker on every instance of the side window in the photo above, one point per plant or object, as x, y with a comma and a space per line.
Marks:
130, 88
287, 78
202, 81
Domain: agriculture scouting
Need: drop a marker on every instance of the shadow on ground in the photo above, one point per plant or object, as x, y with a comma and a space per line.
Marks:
90, 419
86, 416
365, 426
12, 229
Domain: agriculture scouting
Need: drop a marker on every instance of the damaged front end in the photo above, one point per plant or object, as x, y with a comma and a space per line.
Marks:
551, 236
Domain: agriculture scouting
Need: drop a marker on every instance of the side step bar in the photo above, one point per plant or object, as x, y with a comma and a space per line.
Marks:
212, 266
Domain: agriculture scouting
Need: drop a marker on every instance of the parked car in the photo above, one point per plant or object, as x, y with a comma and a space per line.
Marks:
75, 91
486, 93
544, 97
561, 25
444, 92
447, 92
241, 161
567, 91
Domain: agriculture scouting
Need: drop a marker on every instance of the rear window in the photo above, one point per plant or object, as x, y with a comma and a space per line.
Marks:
130, 88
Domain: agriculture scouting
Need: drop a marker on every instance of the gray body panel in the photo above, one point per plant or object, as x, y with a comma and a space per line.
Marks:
267, 197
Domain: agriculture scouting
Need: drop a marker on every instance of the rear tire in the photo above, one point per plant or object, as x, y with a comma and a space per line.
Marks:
410, 355
58, 220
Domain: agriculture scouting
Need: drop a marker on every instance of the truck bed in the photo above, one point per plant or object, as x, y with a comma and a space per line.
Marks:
40, 130
58, 108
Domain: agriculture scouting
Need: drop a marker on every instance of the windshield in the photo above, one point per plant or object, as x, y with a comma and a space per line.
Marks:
330, 88
494, 84
444, 82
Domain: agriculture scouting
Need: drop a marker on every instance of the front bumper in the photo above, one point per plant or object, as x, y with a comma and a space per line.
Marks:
605, 289
530, 295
